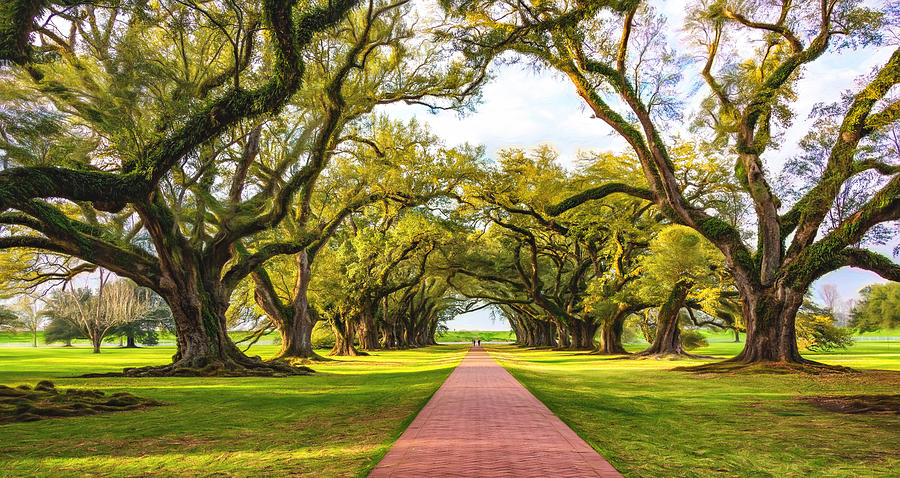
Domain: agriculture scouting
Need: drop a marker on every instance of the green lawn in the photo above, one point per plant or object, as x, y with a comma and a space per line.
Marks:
650, 421
646, 419
25, 338
468, 335
337, 422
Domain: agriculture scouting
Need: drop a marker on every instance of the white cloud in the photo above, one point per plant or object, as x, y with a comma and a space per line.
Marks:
521, 107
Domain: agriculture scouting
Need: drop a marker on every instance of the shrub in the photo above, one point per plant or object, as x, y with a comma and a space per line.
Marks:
693, 339
322, 336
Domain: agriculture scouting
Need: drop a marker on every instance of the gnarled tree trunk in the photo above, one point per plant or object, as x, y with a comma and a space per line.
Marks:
611, 333
583, 335
367, 330
295, 323
344, 335
562, 336
204, 347
770, 317
668, 333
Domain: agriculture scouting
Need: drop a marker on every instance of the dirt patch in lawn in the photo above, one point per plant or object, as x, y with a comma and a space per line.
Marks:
27, 404
857, 404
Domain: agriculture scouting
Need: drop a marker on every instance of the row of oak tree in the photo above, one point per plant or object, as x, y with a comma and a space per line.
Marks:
215, 152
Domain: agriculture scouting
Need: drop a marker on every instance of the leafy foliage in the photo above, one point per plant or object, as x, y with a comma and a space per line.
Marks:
816, 330
879, 307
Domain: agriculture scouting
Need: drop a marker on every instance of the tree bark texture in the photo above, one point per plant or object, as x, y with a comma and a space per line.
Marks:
668, 332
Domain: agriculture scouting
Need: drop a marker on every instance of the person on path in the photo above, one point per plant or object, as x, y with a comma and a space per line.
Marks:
479, 342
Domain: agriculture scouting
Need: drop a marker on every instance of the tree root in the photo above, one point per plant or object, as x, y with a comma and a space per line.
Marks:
599, 352
299, 361
807, 367
668, 356
24, 404
355, 353
248, 367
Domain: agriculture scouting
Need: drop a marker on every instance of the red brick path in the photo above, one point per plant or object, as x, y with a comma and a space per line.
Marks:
483, 423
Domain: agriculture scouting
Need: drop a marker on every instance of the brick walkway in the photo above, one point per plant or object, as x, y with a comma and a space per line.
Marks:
483, 423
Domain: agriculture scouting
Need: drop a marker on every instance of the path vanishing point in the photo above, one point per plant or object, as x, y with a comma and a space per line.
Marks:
483, 423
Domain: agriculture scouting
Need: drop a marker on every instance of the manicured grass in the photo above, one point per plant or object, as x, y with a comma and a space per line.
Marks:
25, 338
468, 335
650, 421
337, 422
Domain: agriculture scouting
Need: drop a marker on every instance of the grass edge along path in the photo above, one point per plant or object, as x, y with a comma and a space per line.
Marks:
337, 422
483, 422
650, 421
388, 444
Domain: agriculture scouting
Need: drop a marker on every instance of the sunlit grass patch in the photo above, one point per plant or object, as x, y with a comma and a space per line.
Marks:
336, 422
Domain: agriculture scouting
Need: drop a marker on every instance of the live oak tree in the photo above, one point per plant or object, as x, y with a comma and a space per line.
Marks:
681, 265
568, 274
622, 65
171, 162
140, 129
389, 163
377, 254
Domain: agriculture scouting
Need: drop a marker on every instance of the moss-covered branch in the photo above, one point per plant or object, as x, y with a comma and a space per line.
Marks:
871, 261
111, 191
32, 242
89, 244
807, 214
599, 192
819, 258
246, 265
107, 191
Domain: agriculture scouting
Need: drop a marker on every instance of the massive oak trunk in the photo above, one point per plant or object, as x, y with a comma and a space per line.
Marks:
540, 334
668, 333
548, 334
296, 336
770, 316
295, 322
562, 336
432, 330
199, 315
519, 330
190, 281
344, 335
387, 335
611, 333
583, 335
198, 308
367, 330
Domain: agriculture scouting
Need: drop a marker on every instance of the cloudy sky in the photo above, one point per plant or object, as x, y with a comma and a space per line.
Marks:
524, 107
